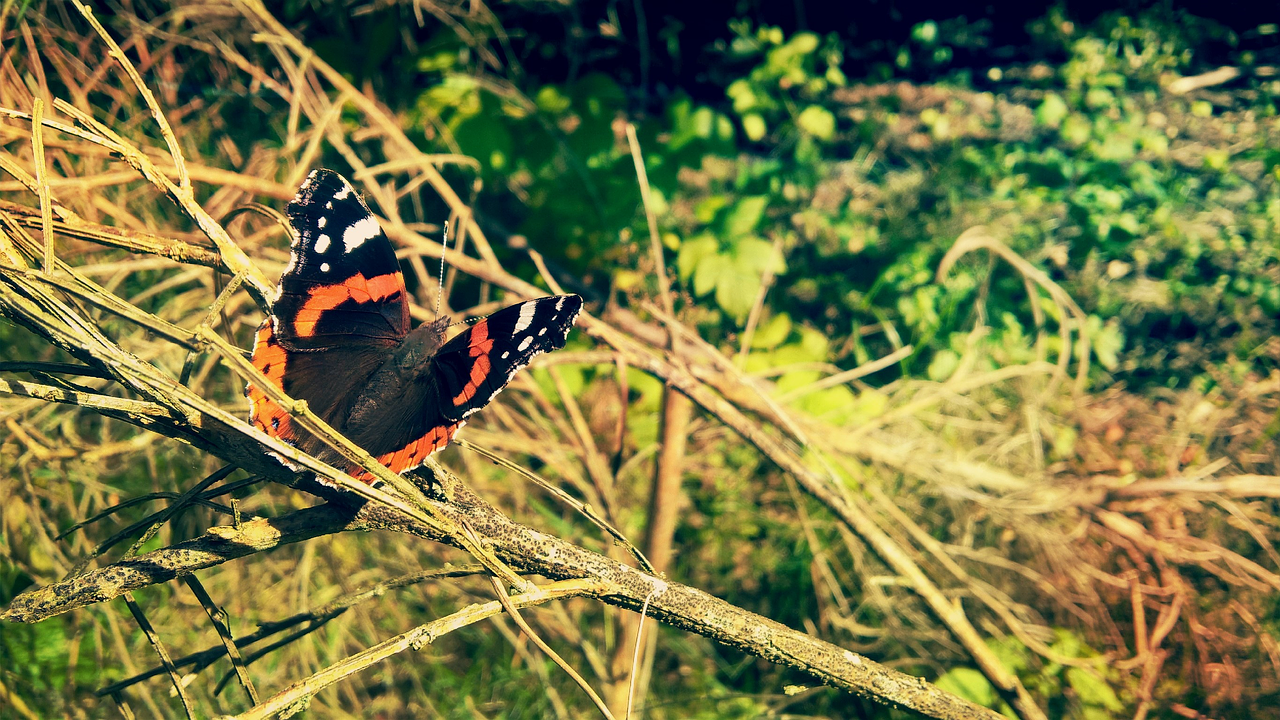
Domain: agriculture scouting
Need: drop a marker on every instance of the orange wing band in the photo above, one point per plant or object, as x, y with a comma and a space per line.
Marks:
358, 288
481, 345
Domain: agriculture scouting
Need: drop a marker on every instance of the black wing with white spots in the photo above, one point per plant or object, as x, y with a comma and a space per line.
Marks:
471, 368
343, 284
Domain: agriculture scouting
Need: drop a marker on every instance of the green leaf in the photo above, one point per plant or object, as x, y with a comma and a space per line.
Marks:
1107, 340
1052, 111
745, 216
742, 95
943, 365
753, 125
814, 345
724, 131
968, 684
1093, 690
925, 33
1076, 129
692, 251
754, 256
869, 405
736, 292
485, 138
711, 272
834, 405
435, 62
735, 276
703, 122
818, 122
772, 333
551, 100
803, 43
1010, 651
705, 211
458, 94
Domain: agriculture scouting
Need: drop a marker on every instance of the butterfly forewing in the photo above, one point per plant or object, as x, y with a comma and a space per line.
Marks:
475, 365
340, 308
343, 284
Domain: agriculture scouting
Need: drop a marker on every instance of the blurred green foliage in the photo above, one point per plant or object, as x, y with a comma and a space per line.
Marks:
1159, 214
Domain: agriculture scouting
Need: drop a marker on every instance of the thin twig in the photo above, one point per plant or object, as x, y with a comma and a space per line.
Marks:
158, 646
583, 509
175, 150
86, 400
42, 181
511, 610
218, 617
299, 693
635, 657
850, 375
655, 242
315, 617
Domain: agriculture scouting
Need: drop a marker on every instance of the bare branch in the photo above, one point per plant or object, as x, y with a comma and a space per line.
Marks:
530, 551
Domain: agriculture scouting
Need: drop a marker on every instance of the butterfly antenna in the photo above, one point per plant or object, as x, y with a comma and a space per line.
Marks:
444, 245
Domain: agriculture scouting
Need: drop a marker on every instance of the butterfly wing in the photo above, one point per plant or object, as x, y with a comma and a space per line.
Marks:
340, 310
474, 366
461, 377
343, 285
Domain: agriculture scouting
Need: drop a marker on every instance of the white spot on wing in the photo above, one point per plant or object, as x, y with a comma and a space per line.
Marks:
324, 267
525, 343
542, 331
328, 205
322, 242
560, 303
364, 229
506, 354
526, 317
322, 222
344, 192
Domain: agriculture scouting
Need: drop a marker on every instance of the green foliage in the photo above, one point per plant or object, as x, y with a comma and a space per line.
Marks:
557, 153
1082, 690
1150, 237
727, 257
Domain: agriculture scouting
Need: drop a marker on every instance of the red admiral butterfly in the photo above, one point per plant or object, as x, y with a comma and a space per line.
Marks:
338, 337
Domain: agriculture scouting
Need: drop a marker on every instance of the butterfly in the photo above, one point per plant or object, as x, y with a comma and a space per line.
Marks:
338, 336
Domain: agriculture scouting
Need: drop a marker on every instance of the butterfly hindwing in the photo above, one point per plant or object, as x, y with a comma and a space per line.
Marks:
404, 427
272, 360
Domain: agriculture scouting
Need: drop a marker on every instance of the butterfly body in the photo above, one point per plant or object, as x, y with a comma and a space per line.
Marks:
339, 337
